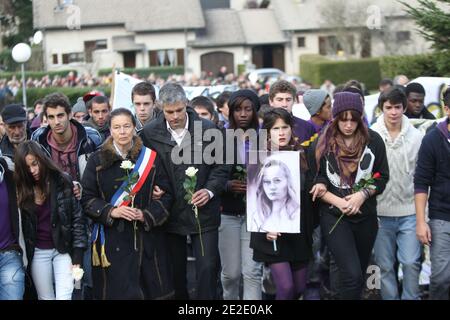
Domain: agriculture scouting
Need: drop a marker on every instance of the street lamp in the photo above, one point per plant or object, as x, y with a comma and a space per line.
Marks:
21, 53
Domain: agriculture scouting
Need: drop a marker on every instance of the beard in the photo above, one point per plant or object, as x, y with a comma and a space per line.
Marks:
18, 140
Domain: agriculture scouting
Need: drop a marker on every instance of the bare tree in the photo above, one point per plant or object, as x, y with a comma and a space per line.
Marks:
358, 23
6, 19
347, 20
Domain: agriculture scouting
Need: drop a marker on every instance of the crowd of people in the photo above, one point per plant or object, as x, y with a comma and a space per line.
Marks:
10, 87
85, 187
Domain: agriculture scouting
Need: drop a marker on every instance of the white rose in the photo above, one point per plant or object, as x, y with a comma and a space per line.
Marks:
191, 172
127, 165
77, 273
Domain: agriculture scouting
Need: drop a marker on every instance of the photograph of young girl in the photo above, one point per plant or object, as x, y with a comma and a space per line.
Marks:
273, 194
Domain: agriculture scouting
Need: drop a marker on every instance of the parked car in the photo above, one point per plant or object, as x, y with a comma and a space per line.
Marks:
271, 75
265, 73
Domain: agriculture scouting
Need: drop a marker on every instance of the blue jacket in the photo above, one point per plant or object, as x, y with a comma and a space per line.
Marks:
433, 171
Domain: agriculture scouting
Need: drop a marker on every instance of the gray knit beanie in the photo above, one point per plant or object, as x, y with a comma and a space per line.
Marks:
314, 99
80, 106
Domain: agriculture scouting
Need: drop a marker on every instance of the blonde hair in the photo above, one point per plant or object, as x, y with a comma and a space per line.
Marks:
264, 204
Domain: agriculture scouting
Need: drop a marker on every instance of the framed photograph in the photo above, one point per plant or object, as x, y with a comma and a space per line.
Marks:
273, 193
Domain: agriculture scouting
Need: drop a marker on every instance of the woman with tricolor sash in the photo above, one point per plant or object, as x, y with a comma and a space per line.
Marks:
129, 257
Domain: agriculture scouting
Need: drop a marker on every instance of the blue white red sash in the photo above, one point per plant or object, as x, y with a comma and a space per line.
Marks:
143, 166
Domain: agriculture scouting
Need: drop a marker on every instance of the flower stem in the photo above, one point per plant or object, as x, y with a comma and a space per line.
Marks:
134, 225
135, 242
335, 225
199, 229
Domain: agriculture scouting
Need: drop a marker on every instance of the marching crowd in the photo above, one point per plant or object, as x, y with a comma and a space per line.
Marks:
99, 194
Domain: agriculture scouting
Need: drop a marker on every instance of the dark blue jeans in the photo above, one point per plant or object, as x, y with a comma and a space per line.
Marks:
12, 276
351, 245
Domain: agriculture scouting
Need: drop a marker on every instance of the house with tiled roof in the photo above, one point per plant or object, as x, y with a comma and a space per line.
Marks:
202, 35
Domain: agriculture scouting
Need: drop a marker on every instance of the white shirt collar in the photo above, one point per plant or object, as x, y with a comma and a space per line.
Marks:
178, 137
123, 156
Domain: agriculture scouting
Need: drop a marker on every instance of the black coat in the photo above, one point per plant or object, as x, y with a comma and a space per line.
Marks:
232, 203
212, 177
291, 247
144, 273
68, 228
12, 200
424, 114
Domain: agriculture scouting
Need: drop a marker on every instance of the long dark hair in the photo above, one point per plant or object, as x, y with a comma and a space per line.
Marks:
294, 144
328, 139
271, 116
23, 177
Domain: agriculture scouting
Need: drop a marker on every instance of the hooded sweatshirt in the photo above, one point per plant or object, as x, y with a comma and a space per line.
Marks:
433, 171
397, 200
66, 158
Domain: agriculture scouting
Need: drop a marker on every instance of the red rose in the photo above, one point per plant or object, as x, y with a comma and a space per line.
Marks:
376, 175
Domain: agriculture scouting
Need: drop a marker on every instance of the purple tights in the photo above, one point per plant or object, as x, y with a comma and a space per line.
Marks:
290, 280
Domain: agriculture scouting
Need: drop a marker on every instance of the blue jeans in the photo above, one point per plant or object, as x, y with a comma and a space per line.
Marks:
12, 276
236, 257
49, 266
440, 259
397, 237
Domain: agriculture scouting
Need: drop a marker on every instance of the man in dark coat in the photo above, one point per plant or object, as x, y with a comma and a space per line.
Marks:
15, 118
171, 134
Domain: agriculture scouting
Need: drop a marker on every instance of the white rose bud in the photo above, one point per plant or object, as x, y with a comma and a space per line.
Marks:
127, 165
191, 172
77, 273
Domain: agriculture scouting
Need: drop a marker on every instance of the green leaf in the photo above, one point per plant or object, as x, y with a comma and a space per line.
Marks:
127, 198
133, 180
186, 184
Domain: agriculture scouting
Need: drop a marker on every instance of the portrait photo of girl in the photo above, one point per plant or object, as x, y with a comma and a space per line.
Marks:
274, 198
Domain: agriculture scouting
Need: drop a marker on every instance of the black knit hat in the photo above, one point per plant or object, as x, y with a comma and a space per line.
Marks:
249, 94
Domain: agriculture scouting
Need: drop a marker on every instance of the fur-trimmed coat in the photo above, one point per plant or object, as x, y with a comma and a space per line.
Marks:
144, 273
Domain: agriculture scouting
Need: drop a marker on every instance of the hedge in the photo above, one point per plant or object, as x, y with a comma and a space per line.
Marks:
431, 65
316, 69
163, 72
35, 74
72, 93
